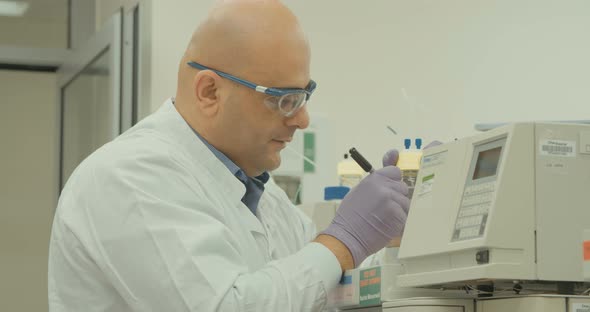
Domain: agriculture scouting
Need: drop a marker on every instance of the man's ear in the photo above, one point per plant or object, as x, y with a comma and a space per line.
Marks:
206, 87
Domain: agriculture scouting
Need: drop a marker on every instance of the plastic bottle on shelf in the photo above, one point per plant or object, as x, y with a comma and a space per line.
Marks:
324, 212
349, 172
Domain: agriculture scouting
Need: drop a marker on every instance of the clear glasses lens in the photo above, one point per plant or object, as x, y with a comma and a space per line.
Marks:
286, 104
289, 103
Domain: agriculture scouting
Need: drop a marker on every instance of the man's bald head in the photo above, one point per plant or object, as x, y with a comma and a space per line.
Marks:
249, 39
256, 40
238, 32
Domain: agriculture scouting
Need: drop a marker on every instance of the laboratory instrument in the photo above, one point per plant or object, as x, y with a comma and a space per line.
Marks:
503, 216
323, 212
510, 204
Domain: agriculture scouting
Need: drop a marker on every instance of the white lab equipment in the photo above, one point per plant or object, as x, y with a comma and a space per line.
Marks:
424, 304
507, 207
324, 212
510, 204
534, 303
374, 284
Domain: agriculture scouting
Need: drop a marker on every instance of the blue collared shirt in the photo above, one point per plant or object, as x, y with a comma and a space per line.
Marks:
254, 186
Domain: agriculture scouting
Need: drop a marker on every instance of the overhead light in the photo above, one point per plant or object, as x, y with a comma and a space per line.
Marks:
13, 8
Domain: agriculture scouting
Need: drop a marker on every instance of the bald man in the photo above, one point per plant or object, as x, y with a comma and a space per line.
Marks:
180, 214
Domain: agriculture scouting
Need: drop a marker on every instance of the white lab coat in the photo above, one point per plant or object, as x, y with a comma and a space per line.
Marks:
153, 221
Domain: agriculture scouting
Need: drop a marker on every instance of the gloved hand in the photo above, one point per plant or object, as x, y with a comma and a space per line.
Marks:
372, 213
390, 158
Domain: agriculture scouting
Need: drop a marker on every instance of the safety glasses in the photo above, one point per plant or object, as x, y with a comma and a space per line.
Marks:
287, 101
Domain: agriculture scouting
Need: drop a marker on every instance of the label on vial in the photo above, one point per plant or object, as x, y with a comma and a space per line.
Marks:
557, 148
409, 177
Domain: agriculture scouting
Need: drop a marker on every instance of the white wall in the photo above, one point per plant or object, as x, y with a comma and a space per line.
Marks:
172, 26
106, 8
434, 68
82, 21
427, 68
28, 186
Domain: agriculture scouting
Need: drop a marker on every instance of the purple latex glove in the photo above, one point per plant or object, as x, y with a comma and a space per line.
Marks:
372, 213
390, 158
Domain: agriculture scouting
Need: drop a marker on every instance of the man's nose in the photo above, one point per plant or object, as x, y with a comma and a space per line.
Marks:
300, 119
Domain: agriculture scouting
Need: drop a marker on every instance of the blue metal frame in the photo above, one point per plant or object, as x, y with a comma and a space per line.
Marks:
258, 88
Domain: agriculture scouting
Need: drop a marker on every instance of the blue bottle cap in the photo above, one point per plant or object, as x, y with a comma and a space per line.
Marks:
335, 192
418, 143
407, 143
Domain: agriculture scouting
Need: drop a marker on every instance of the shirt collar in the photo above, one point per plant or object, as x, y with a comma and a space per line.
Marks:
233, 168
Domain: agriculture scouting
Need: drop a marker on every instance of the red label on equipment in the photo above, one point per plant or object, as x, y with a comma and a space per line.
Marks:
586, 250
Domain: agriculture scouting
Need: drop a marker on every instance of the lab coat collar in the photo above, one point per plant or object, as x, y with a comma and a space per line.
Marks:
226, 184
197, 151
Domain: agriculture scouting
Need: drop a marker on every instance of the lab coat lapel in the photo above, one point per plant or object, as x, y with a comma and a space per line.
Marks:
229, 189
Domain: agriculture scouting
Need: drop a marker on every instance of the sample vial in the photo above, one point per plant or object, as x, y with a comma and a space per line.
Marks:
409, 164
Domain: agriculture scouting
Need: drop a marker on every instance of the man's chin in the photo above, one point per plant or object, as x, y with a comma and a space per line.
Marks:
273, 163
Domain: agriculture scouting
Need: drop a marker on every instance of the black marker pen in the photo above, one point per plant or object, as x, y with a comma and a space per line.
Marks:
361, 160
